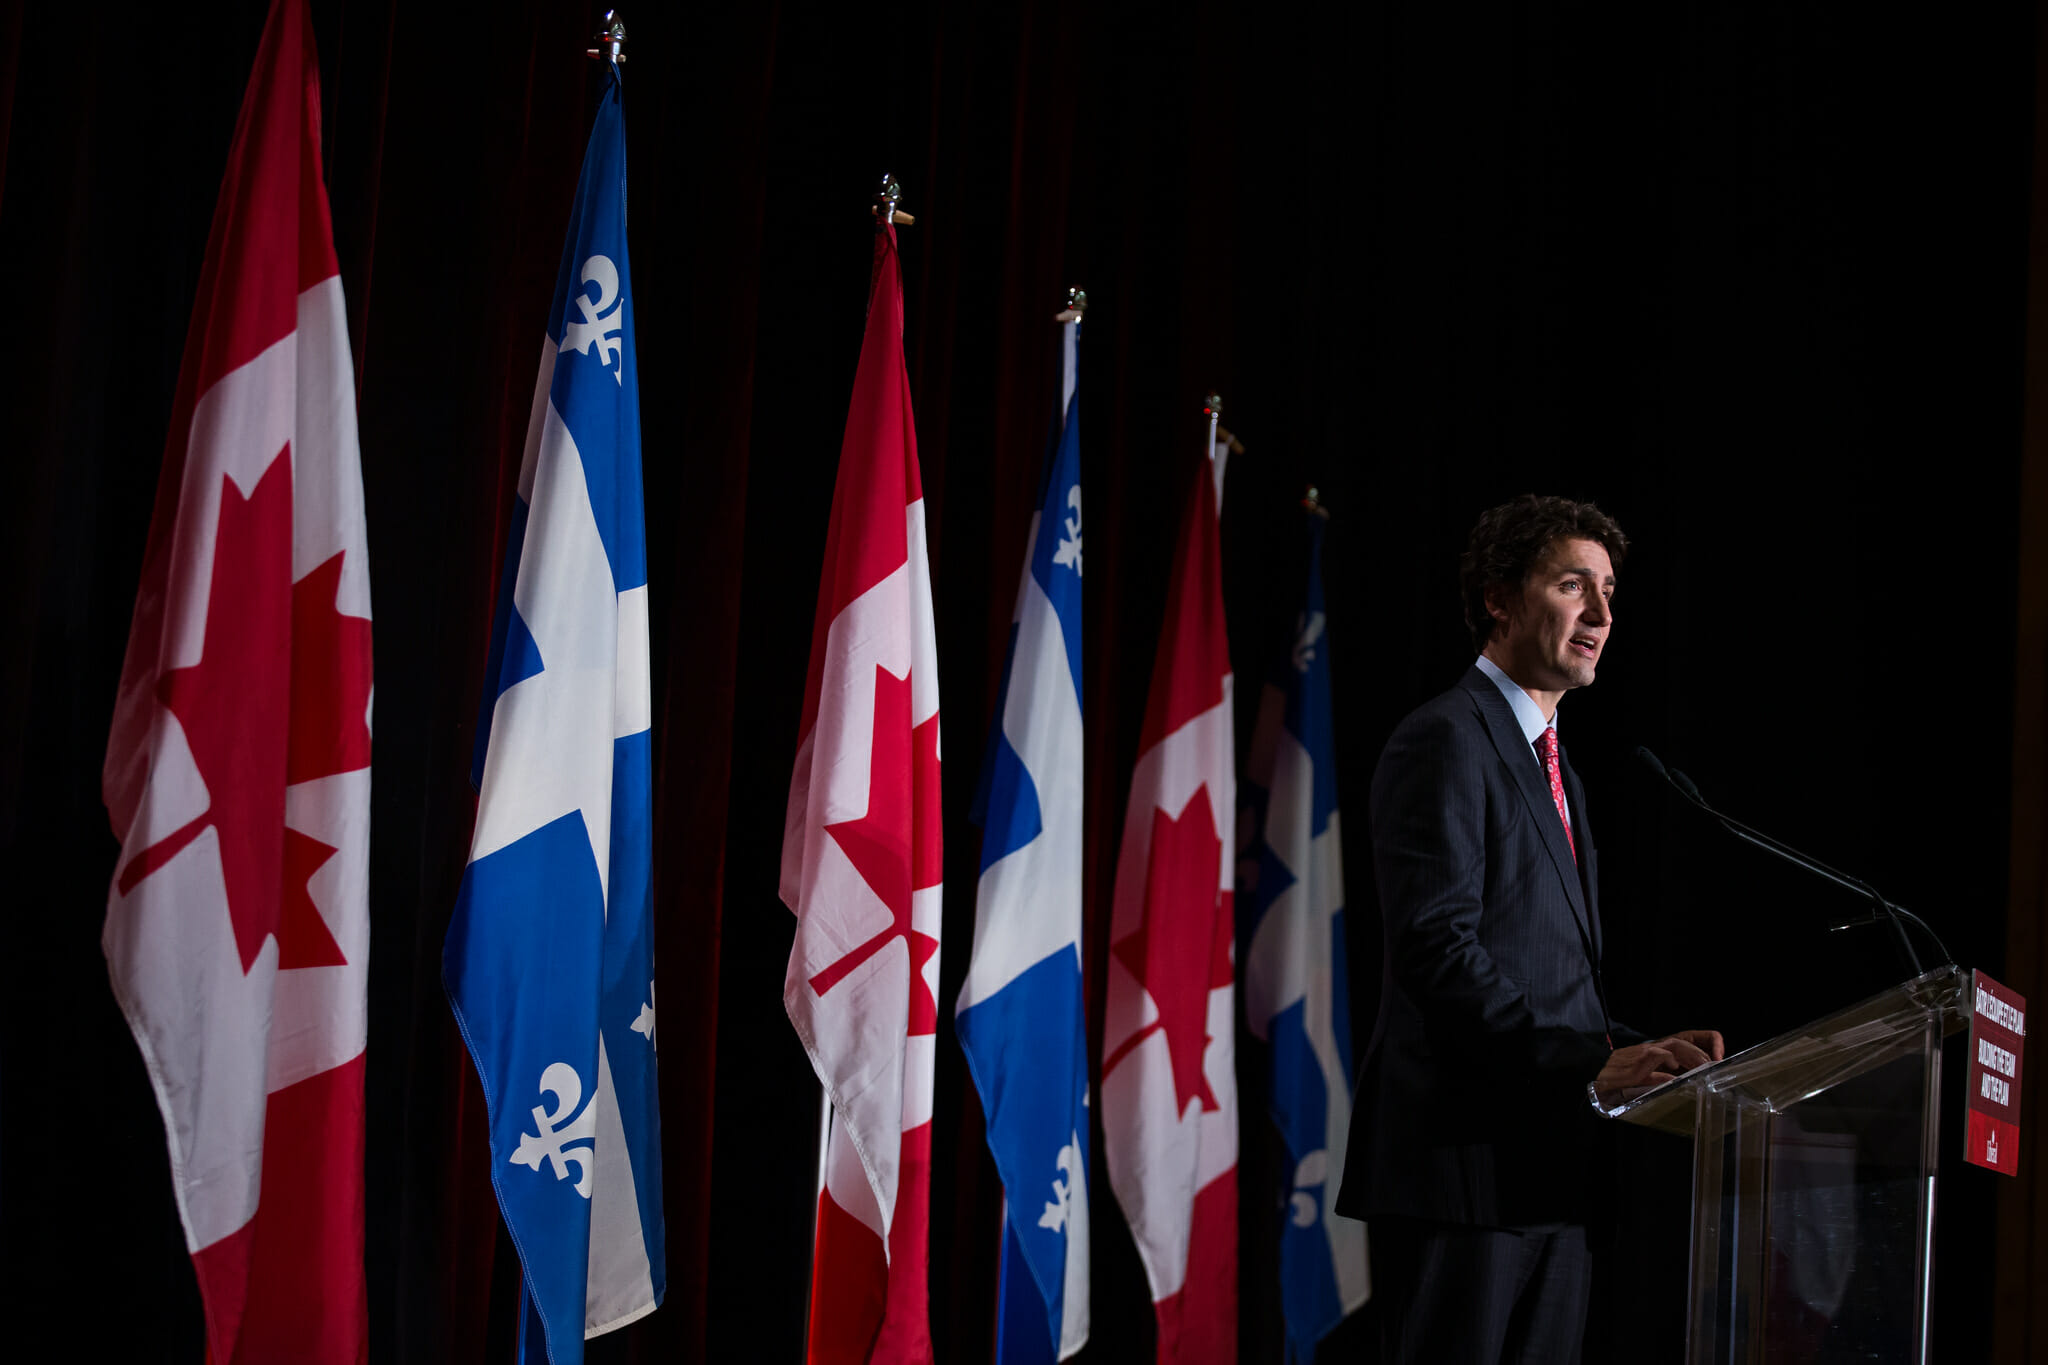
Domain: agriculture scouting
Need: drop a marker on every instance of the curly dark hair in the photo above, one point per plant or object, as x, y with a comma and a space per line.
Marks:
1508, 540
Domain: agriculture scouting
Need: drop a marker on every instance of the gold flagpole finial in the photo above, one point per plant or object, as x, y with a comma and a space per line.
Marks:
1077, 306
1312, 503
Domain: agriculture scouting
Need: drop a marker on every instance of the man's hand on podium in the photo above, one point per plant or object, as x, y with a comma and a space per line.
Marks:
1644, 1066
1705, 1042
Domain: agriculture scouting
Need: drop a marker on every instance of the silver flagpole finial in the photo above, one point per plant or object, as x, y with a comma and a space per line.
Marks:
1312, 502
1212, 408
610, 40
885, 202
1077, 306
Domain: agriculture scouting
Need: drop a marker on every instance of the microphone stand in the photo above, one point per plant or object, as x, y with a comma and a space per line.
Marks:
1883, 911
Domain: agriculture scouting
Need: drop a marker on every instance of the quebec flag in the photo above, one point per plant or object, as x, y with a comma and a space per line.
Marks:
549, 956
1291, 888
1020, 1013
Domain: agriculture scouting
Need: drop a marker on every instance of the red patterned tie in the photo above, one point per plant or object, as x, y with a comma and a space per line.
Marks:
1548, 744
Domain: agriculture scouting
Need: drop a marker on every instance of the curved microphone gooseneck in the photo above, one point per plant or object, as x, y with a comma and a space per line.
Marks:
1883, 911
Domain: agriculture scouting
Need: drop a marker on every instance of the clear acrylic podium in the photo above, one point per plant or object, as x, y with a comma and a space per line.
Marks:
1814, 1159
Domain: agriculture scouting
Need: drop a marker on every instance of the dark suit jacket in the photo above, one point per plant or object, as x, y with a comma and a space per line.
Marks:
1471, 1101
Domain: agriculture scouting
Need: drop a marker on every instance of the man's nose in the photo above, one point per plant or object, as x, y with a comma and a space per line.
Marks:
1599, 611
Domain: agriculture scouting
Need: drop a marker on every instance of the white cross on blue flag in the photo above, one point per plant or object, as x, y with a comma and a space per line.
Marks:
1020, 1014
549, 957
1296, 996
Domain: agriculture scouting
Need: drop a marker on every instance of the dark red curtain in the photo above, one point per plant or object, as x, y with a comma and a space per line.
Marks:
1757, 285
2022, 1321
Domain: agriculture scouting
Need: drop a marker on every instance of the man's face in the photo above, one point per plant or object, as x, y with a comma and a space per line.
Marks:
1550, 641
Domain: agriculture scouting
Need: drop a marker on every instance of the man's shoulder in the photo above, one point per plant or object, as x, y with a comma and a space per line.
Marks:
1453, 710
1449, 728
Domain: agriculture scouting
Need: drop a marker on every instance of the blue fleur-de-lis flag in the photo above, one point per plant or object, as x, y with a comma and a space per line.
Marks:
1296, 995
1020, 1016
549, 957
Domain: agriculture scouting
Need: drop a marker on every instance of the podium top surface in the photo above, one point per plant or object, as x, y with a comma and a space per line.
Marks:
1814, 1057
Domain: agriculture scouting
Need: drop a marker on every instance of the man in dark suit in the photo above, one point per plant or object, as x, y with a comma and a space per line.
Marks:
1477, 1118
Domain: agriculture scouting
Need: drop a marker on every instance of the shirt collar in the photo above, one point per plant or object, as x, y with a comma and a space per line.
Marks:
1527, 714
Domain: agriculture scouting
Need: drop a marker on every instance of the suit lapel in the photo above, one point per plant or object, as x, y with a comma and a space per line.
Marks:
1522, 764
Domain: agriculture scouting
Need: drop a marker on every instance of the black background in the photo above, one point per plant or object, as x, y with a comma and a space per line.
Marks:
1754, 281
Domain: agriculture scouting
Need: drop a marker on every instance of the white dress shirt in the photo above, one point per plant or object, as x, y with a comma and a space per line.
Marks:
1527, 712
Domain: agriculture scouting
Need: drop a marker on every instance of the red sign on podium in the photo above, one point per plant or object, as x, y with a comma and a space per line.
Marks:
1998, 1034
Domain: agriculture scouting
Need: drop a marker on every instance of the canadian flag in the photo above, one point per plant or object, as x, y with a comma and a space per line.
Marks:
1169, 1085
237, 774
861, 866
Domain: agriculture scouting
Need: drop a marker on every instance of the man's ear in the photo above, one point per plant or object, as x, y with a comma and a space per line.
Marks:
1501, 603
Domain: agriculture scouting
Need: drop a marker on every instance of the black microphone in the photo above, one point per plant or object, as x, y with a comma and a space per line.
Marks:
1882, 911
1676, 778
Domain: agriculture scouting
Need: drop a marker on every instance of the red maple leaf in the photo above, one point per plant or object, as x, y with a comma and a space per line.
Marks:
279, 695
330, 681
895, 846
303, 939
1182, 949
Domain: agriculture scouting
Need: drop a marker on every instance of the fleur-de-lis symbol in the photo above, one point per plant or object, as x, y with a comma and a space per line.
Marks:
1056, 1209
603, 321
551, 1143
1068, 551
1310, 1175
1306, 632
645, 1023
